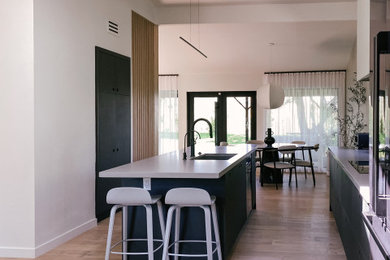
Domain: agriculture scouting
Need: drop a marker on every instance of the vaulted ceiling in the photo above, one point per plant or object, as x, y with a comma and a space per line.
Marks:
235, 35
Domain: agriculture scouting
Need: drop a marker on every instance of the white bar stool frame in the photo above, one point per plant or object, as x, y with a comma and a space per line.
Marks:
131, 196
191, 197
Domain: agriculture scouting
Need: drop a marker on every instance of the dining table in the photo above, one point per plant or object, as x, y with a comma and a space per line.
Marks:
264, 154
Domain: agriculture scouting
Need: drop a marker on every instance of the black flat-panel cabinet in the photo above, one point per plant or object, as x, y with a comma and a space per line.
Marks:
114, 72
346, 205
112, 121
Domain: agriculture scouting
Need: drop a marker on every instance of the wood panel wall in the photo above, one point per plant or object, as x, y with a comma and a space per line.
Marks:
145, 87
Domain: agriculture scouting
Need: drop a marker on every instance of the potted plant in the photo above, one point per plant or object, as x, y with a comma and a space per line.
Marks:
353, 121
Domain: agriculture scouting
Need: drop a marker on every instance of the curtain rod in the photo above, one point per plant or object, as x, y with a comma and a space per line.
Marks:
168, 75
312, 71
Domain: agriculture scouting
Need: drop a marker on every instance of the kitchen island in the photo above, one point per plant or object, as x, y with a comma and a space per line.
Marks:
232, 181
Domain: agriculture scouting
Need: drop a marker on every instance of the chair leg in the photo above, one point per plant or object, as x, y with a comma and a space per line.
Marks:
177, 232
312, 172
207, 218
312, 168
303, 158
110, 230
261, 176
289, 178
149, 230
124, 230
161, 219
216, 230
167, 232
274, 172
296, 179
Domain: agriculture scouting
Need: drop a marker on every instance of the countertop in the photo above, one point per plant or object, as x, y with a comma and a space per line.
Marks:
172, 165
361, 181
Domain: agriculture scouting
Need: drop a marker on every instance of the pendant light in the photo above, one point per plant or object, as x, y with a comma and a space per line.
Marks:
270, 96
189, 42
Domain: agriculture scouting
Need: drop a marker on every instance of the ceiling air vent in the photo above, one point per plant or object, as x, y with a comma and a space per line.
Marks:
113, 28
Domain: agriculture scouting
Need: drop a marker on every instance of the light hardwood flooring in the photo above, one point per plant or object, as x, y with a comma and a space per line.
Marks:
291, 223
288, 224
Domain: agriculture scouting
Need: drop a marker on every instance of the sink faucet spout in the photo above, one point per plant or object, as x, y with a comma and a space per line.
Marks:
189, 133
192, 136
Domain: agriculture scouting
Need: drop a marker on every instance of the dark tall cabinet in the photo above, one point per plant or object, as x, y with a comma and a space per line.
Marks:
112, 121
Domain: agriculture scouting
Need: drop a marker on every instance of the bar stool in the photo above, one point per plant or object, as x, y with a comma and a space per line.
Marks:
191, 197
131, 196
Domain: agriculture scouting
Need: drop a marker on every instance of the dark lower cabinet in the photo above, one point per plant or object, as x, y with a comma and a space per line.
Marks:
346, 205
112, 121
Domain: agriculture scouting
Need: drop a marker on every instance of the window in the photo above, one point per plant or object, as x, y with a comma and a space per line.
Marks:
168, 133
306, 114
231, 113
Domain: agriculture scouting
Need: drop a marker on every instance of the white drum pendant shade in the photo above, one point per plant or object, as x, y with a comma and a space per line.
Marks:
270, 96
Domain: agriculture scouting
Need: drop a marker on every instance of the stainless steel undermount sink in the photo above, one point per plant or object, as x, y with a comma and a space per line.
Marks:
215, 156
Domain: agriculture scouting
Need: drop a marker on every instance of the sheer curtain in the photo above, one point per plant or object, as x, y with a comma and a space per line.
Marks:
306, 114
168, 133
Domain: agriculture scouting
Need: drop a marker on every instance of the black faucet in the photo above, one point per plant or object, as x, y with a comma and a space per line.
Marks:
192, 136
191, 132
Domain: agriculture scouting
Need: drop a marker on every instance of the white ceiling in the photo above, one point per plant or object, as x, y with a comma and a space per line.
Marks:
236, 38
240, 2
244, 48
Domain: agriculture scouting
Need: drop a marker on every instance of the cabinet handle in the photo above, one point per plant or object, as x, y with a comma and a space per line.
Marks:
117, 149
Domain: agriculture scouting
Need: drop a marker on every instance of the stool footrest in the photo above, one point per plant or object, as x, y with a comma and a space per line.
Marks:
191, 241
135, 240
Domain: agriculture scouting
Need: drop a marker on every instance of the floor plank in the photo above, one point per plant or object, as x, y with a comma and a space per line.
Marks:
288, 224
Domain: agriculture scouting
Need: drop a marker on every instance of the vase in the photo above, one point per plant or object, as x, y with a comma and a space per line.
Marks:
269, 140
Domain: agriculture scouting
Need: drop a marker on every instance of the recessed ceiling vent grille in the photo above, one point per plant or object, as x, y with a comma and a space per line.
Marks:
113, 28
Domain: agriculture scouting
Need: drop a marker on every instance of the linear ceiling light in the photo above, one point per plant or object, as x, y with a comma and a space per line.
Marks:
189, 42
184, 40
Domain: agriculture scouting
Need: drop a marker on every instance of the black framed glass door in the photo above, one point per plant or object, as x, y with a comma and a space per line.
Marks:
232, 115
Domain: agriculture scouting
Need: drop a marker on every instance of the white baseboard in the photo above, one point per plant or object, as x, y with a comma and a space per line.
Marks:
25, 252
17, 252
68, 235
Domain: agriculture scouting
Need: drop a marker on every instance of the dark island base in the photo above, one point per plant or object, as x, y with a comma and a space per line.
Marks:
235, 193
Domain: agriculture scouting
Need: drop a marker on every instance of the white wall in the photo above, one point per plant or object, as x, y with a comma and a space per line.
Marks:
66, 33
363, 39
216, 82
48, 110
16, 129
350, 76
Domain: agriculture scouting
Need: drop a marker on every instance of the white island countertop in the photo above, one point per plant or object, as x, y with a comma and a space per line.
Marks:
344, 156
172, 165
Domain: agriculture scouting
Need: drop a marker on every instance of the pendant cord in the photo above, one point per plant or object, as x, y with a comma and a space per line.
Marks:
190, 20
198, 27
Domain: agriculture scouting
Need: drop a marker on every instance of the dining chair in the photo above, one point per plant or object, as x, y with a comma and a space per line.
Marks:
258, 142
258, 152
287, 151
298, 142
277, 165
303, 153
304, 164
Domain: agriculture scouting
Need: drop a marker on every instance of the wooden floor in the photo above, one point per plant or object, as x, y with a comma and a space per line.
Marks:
289, 224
